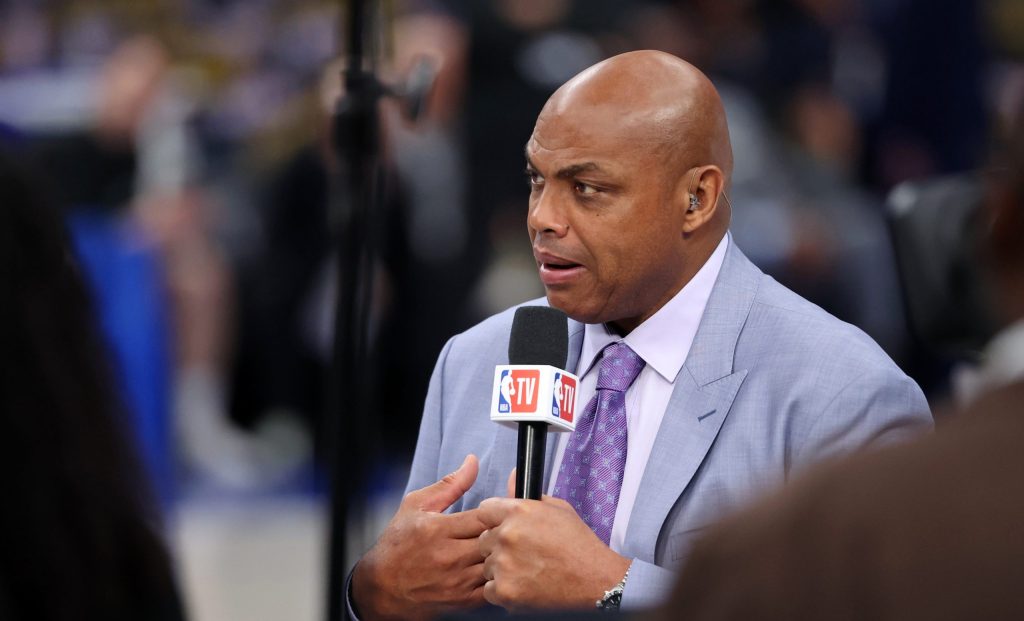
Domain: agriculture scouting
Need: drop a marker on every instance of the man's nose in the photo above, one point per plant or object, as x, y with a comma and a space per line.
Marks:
547, 214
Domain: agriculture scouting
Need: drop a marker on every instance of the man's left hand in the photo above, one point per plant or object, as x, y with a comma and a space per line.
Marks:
540, 554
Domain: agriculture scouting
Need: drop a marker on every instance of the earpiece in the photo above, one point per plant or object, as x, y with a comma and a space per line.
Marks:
694, 201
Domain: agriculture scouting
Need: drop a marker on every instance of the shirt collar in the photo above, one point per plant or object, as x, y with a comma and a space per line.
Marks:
664, 340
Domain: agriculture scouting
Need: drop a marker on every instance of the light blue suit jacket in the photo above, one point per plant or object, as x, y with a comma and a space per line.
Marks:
772, 383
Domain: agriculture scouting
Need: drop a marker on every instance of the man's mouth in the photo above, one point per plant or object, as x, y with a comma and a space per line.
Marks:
553, 261
553, 265
555, 270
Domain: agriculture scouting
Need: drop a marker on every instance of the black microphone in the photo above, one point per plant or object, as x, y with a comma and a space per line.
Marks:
540, 336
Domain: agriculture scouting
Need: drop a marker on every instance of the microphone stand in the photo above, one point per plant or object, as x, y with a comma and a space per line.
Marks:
355, 223
355, 139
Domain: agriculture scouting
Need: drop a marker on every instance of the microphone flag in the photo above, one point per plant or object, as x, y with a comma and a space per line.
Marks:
534, 393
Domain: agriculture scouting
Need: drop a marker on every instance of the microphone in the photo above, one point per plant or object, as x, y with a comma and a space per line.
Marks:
534, 391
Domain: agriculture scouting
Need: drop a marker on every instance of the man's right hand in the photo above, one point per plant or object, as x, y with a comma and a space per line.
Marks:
425, 562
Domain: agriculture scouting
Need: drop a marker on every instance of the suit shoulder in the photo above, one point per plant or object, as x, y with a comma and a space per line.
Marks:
491, 334
783, 322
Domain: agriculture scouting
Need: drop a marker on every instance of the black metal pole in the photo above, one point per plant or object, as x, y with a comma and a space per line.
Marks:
356, 136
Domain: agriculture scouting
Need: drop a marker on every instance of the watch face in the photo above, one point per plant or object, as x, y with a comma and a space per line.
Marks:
611, 601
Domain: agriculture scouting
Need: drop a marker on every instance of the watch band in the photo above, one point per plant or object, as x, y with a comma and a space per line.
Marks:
613, 597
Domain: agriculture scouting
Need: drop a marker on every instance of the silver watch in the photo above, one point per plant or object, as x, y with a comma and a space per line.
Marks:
613, 597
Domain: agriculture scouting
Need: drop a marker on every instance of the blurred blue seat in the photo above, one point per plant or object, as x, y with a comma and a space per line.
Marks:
124, 272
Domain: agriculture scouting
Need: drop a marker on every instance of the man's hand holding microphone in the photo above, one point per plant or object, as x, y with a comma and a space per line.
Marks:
526, 551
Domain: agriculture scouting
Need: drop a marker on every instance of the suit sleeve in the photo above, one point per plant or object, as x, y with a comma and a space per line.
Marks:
646, 586
428, 449
878, 407
424, 470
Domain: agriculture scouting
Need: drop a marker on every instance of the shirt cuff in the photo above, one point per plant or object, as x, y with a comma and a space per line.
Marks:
350, 609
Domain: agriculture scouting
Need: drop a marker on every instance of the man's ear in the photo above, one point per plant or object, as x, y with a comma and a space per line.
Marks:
702, 197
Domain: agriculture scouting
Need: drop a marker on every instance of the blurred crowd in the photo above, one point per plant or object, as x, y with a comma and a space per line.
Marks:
187, 143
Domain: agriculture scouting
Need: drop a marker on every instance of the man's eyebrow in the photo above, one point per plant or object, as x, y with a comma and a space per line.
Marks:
569, 171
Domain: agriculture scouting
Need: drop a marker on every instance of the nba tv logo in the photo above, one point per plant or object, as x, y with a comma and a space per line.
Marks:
518, 391
563, 397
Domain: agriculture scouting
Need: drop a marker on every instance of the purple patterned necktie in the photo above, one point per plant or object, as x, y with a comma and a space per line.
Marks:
590, 476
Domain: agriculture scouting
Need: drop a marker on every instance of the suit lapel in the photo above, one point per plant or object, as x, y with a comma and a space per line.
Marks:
506, 440
704, 391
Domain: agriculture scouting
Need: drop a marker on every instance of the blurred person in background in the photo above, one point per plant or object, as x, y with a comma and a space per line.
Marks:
78, 537
96, 171
171, 217
145, 229
288, 283
929, 530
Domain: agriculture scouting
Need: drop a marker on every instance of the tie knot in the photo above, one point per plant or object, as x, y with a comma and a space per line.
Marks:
619, 367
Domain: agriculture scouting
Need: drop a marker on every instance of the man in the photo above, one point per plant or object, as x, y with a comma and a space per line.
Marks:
728, 381
929, 530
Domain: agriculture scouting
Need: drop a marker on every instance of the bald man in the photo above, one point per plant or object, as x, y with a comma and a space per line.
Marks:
716, 380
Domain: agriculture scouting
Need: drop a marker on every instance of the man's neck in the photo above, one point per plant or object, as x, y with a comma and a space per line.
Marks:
701, 252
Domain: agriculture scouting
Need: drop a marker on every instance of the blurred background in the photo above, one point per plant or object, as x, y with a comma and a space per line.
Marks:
186, 143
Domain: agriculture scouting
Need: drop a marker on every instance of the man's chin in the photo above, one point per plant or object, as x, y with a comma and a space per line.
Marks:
571, 307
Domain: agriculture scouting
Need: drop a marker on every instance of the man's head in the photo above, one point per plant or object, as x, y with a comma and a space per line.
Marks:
627, 165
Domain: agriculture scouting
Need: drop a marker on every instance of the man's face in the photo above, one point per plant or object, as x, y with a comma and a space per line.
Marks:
605, 219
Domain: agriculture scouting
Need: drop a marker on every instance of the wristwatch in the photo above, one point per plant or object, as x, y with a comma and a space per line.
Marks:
613, 597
